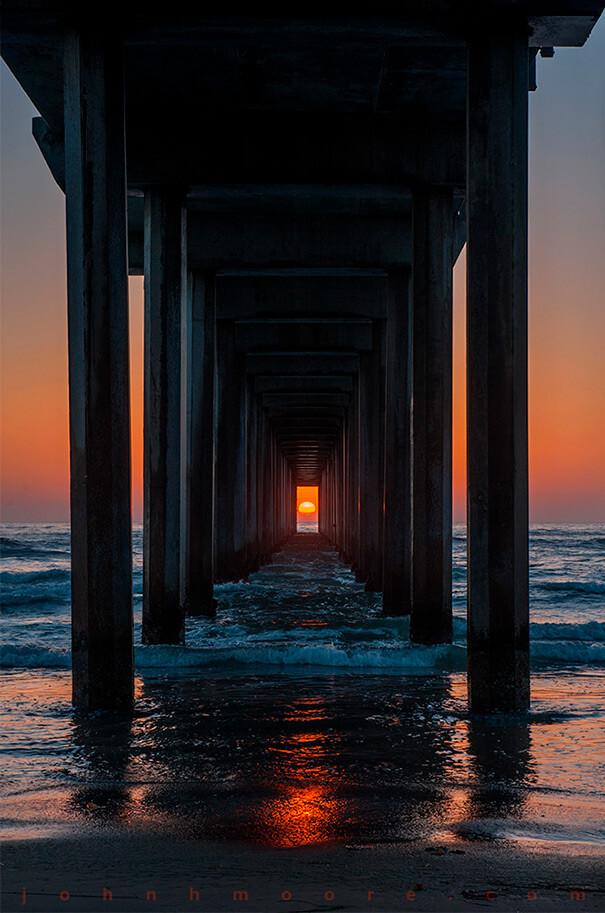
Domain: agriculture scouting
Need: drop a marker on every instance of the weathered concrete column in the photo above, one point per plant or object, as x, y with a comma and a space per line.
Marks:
325, 502
99, 407
251, 518
291, 502
371, 428
498, 613
397, 548
230, 480
355, 541
279, 483
266, 512
347, 487
197, 556
283, 496
431, 616
339, 491
165, 300
334, 496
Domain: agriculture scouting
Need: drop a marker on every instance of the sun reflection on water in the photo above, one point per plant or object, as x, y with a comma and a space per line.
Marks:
307, 809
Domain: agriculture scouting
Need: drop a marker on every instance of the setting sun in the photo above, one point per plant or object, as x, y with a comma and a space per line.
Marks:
307, 513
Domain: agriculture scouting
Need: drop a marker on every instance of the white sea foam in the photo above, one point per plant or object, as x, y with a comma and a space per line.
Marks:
404, 657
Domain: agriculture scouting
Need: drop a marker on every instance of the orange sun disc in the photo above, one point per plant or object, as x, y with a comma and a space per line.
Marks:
307, 507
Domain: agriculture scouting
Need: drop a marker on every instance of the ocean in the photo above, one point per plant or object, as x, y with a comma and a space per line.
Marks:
301, 717
262, 622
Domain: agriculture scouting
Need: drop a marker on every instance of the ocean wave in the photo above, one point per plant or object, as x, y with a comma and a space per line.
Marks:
363, 658
402, 657
16, 600
561, 651
582, 587
589, 632
48, 575
15, 548
29, 657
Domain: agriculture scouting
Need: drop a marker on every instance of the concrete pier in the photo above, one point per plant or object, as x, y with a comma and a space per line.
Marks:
431, 615
165, 300
99, 407
498, 574
197, 558
297, 238
397, 542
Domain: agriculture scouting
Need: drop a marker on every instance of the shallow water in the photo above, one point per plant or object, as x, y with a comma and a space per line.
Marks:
293, 614
300, 717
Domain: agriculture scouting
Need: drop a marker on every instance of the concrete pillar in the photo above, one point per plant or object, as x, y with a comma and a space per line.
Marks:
240, 418
258, 471
334, 495
274, 494
230, 469
283, 496
371, 428
280, 495
99, 408
498, 613
347, 486
338, 491
355, 542
325, 502
397, 549
291, 502
266, 508
197, 555
431, 616
251, 520
165, 299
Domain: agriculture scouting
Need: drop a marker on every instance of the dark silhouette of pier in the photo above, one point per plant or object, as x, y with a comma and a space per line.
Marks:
295, 191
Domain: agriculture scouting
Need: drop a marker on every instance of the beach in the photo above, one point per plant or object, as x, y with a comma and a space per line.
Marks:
301, 753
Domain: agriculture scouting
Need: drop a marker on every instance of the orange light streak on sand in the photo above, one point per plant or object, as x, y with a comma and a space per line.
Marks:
308, 810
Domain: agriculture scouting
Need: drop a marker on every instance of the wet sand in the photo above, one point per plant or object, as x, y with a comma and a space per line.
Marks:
145, 872
267, 789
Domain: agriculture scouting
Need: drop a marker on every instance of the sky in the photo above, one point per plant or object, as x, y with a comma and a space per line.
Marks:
566, 306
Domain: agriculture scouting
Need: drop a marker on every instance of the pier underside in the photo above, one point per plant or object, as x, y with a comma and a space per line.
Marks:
295, 192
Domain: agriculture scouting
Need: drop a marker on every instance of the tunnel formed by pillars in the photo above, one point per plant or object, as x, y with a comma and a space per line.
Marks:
295, 191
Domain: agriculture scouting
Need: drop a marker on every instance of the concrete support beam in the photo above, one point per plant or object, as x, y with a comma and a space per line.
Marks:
294, 383
308, 401
97, 278
498, 614
165, 300
229, 242
319, 292
303, 333
314, 363
198, 546
431, 616
397, 571
289, 146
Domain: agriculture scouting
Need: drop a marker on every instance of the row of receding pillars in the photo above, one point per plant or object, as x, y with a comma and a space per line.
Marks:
416, 519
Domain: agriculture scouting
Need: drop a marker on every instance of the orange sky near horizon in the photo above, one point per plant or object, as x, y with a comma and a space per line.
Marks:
310, 495
567, 310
